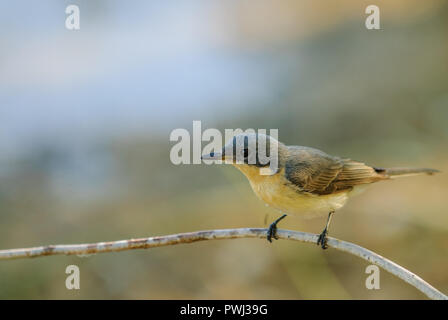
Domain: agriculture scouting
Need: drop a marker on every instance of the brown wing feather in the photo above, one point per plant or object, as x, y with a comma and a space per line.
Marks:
354, 173
314, 171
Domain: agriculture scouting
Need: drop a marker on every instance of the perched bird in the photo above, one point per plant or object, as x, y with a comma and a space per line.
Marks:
306, 181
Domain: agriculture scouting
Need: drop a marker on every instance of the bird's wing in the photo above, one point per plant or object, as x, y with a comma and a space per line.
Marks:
315, 172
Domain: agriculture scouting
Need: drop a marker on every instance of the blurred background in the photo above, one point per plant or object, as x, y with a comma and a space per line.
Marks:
85, 118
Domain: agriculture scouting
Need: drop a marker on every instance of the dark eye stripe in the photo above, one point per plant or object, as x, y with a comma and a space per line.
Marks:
234, 146
246, 142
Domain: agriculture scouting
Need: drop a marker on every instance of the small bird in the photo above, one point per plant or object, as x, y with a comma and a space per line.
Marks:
307, 182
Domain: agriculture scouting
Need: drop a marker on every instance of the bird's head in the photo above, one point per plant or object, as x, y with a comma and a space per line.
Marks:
252, 153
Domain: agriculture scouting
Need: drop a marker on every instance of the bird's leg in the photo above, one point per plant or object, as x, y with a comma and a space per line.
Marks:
272, 231
322, 240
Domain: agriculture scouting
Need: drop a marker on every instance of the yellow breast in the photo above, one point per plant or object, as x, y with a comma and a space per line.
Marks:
277, 192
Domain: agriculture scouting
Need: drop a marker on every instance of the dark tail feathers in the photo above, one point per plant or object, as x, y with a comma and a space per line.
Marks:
403, 172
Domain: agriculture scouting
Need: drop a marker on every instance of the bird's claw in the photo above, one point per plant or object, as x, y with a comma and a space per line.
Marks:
272, 232
322, 240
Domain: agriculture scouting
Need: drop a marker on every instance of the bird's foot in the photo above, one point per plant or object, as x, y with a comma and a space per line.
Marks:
272, 231
322, 240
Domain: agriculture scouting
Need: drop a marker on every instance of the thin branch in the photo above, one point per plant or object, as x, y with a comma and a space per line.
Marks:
152, 242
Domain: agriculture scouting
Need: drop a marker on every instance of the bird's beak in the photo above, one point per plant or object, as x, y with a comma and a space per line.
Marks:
213, 156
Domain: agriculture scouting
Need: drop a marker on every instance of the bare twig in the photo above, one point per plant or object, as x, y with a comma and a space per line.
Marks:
145, 243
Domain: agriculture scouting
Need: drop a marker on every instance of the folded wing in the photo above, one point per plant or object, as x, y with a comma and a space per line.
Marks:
316, 172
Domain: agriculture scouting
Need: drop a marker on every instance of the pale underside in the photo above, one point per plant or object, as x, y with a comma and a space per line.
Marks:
277, 192
289, 201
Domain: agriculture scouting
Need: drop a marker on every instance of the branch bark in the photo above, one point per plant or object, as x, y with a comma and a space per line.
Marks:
160, 241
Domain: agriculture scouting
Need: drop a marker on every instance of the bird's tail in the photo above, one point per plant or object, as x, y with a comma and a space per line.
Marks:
405, 172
